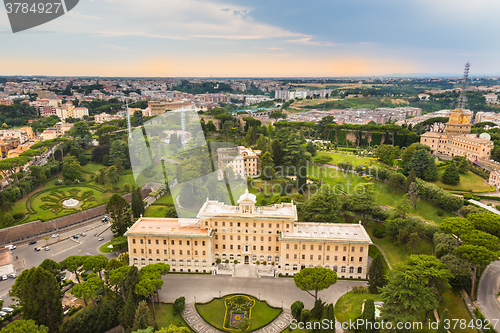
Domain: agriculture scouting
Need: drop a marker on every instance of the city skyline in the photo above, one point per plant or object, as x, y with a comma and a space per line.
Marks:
259, 39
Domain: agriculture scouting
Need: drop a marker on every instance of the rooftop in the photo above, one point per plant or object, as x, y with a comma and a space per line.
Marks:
219, 209
162, 226
333, 231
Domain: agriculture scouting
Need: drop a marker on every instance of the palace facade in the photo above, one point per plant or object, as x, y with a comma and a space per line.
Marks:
251, 235
457, 140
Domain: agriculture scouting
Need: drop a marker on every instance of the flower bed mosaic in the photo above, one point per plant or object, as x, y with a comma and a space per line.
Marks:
238, 309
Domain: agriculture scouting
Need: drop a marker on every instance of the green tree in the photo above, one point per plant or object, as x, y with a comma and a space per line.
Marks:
318, 309
119, 210
119, 150
475, 255
89, 288
414, 285
296, 309
418, 162
127, 313
410, 179
386, 154
101, 177
442, 322
174, 329
24, 326
267, 167
73, 265
95, 263
71, 168
396, 180
54, 268
321, 161
112, 175
457, 226
376, 275
40, 297
413, 195
147, 286
431, 172
119, 166
461, 270
79, 130
314, 279
481, 238
179, 305
142, 318
277, 152
116, 279
311, 148
301, 177
462, 163
137, 203
368, 317
324, 206
171, 212
451, 176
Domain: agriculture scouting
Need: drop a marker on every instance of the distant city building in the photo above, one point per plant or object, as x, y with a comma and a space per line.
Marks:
491, 98
103, 117
243, 161
159, 107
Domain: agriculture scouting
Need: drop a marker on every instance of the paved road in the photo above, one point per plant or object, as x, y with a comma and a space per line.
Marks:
487, 291
28, 257
273, 290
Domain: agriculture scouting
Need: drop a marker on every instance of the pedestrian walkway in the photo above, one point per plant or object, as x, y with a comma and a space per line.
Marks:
488, 208
199, 325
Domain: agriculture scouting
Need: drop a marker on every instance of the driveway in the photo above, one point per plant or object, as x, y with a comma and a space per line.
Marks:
273, 290
487, 292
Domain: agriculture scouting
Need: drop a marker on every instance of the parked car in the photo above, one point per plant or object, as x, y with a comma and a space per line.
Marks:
75, 236
7, 309
37, 248
47, 248
13, 276
101, 238
55, 235
32, 242
11, 247
5, 277
83, 234
105, 219
2, 314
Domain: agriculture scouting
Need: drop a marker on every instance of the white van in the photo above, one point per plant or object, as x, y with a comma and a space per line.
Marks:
10, 247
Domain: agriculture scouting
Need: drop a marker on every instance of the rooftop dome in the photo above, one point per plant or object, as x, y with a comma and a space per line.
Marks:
247, 196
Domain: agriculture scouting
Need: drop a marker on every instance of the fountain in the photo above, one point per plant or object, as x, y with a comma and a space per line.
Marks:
70, 203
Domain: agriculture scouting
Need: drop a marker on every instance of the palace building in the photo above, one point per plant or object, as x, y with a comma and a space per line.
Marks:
457, 140
250, 235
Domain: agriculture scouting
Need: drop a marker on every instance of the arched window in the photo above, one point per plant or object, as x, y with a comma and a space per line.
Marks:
360, 270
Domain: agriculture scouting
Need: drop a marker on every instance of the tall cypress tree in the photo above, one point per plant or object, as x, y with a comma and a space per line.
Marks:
301, 177
127, 313
137, 204
376, 275
410, 179
431, 171
331, 318
451, 175
442, 323
368, 316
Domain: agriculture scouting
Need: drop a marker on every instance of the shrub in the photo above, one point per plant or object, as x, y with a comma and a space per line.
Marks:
18, 216
497, 207
359, 290
297, 308
82, 180
218, 261
59, 182
440, 213
489, 204
235, 262
305, 315
67, 182
116, 187
379, 232
179, 305
264, 263
126, 188
257, 262
227, 261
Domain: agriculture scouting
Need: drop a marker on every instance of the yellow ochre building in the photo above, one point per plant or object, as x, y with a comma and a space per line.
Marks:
249, 234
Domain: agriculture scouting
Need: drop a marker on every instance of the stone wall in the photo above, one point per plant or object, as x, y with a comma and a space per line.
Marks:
32, 229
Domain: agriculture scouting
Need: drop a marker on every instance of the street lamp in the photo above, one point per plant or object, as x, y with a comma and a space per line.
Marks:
219, 293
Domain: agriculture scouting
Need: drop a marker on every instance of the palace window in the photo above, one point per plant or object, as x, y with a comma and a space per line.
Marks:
351, 269
360, 270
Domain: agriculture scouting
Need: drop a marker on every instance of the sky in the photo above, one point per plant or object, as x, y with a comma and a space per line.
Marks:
258, 38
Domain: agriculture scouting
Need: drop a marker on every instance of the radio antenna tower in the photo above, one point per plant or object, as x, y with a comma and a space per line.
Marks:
463, 97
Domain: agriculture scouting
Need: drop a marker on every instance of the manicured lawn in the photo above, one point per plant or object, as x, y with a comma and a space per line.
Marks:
353, 159
104, 248
165, 200
155, 211
468, 182
456, 310
346, 182
166, 317
214, 311
425, 209
348, 307
395, 252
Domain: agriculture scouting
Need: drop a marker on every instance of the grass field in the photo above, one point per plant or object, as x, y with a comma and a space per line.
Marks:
348, 307
425, 209
155, 211
394, 252
214, 311
355, 160
456, 309
468, 182
165, 316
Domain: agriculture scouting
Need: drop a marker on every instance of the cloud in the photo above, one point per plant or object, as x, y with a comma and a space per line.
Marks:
117, 48
282, 55
308, 41
267, 48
